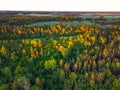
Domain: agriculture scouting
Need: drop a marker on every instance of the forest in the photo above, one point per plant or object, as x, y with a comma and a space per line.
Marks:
59, 56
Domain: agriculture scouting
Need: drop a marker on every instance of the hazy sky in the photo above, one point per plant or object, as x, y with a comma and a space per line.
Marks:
60, 5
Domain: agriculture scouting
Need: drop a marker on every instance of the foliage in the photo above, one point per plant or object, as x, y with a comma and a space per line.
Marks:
59, 56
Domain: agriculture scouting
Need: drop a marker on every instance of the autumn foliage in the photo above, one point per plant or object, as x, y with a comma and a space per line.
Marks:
58, 57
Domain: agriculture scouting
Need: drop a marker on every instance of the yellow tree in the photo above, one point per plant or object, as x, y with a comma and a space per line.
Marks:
39, 43
3, 50
32, 52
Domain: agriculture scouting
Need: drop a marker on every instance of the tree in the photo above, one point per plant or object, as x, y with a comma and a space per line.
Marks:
23, 83
35, 88
4, 87
3, 50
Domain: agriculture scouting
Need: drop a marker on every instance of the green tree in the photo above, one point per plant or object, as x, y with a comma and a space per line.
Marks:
4, 87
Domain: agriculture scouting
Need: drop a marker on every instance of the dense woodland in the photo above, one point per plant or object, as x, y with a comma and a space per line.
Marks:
57, 57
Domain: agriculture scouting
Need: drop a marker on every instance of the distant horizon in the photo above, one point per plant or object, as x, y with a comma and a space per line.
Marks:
61, 12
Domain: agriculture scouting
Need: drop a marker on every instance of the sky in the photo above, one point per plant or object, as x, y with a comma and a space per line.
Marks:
60, 5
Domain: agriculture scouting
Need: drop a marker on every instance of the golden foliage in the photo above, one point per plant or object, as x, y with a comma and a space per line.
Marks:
99, 77
61, 63
102, 40
50, 64
3, 50
62, 50
66, 67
